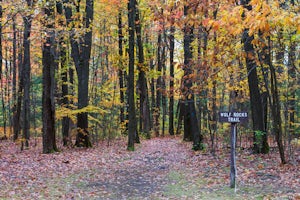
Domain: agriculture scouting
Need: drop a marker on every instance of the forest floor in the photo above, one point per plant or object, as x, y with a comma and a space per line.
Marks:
160, 168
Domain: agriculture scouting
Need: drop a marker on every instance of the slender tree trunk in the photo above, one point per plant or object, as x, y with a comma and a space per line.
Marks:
164, 100
64, 77
153, 100
131, 102
121, 70
14, 74
275, 104
158, 87
292, 78
17, 114
142, 82
1, 71
171, 104
163, 83
213, 117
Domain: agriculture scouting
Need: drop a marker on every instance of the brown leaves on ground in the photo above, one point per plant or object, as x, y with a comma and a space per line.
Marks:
160, 168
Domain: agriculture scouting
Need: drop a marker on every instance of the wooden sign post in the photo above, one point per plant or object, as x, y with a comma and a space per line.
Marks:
233, 118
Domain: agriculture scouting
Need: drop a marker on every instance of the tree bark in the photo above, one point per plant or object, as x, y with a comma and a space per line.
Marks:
255, 96
48, 116
17, 114
142, 82
191, 128
292, 82
64, 77
158, 87
14, 75
131, 102
275, 104
81, 53
26, 74
121, 70
171, 104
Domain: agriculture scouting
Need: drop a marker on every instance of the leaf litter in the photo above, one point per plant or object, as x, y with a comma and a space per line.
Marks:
160, 168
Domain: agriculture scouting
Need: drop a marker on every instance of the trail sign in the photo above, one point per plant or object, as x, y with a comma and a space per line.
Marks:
233, 117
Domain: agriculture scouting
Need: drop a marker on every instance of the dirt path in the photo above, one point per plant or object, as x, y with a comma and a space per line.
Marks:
144, 174
160, 168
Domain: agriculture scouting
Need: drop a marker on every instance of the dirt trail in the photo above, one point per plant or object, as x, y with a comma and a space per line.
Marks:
160, 168
145, 173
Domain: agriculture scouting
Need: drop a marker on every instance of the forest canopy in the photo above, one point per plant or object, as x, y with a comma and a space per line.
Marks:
76, 72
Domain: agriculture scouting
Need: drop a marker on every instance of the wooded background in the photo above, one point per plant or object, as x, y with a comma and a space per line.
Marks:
79, 71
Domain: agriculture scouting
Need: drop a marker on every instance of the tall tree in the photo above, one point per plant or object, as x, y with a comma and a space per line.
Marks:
158, 85
81, 53
26, 69
171, 105
17, 114
130, 89
14, 75
48, 108
62, 52
191, 128
275, 103
260, 143
142, 82
121, 69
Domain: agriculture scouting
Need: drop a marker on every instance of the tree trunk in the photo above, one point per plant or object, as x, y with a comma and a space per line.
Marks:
171, 104
292, 78
17, 114
1, 58
130, 89
275, 104
14, 76
81, 53
158, 86
255, 96
142, 82
121, 70
48, 117
64, 77
26, 75
191, 128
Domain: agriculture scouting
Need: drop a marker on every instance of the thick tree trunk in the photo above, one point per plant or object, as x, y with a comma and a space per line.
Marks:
191, 128
26, 76
81, 53
48, 117
131, 102
255, 96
